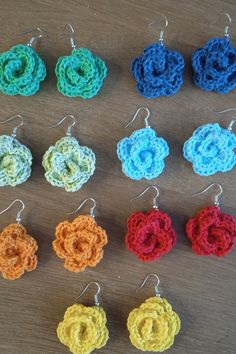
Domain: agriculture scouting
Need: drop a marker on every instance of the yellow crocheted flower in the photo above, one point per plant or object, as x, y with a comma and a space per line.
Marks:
83, 329
153, 325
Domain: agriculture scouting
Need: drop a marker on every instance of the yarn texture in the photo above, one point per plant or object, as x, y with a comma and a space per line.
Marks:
81, 74
158, 71
80, 243
21, 71
212, 232
211, 149
214, 66
150, 235
68, 165
153, 325
142, 154
15, 161
17, 252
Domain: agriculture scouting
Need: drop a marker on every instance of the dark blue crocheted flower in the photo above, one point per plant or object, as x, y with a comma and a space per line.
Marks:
142, 154
158, 71
214, 66
211, 149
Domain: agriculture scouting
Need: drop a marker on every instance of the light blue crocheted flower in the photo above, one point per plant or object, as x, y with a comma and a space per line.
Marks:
142, 154
211, 149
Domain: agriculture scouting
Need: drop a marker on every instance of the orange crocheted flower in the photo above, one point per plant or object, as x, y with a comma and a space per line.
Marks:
80, 243
17, 252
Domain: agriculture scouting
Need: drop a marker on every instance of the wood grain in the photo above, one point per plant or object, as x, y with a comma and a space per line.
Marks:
202, 290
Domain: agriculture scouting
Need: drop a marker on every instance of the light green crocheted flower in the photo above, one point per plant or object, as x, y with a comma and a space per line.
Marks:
15, 161
21, 71
68, 165
81, 74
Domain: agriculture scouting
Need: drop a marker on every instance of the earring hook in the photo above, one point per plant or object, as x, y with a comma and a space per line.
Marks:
230, 127
72, 34
161, 36
136, 114
95, 295
155, 205
227, 27
91, 213
68, 131
216, 202
156, 288
34, 38
16, 127
18, 218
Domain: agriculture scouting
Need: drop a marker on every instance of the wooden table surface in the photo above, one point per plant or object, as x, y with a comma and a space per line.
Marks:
201, 289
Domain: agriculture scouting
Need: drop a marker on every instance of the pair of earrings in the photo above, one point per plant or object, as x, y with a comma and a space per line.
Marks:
67, 164
210, 149
159, 71
150, 234
152, 326
80, 74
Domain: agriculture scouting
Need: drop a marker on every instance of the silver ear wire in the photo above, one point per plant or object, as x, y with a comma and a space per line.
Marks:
18, 215
216, 198
68, 132
16, 127
227, 27
161, 36
95, 295
71, 35
230, 127
145, 118
92, 213
155, 205
34, 38
157, 293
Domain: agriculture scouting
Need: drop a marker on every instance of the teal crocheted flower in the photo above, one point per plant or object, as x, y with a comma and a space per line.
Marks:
68, 165
81, 74
15, 161
21, 71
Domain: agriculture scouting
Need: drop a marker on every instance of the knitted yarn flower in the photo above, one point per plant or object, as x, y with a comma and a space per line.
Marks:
150, 235
211, 149
81, 74
15, 161
214, 66
142, 154
68, 165
158, 71
21, 71
17, 252
153, 325
80, 243
212, 232
83, 329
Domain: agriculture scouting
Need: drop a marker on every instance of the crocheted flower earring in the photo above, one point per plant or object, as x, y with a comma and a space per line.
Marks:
15, 158
21, 68
212, 232
154, 325
214, 65
67, 164
80, 242
142, 154
150, 234
83, 328
17, 248
211, 148
158, 71
80, 74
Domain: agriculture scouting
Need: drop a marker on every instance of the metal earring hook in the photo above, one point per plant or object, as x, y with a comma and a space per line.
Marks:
16, 127
227, 27
230, 127
155, 205
161, 36
95, 295
157, 293
68, 131
71, 34
91, 213
18, 218
34, 38
136, 114
216, 202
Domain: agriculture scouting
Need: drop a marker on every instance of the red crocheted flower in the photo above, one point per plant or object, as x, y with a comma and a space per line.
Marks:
150, 235
212, 232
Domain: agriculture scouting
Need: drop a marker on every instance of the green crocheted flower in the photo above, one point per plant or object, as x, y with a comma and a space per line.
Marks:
81, 74
68, 165
15, 161
21, 71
